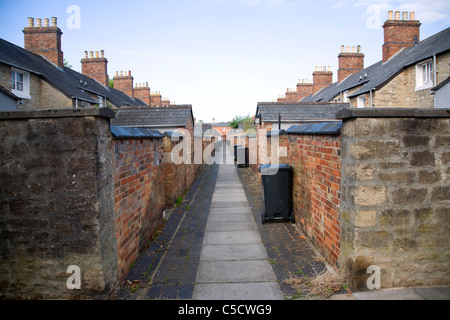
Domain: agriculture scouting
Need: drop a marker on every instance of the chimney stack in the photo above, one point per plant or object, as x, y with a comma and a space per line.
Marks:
44, 40
95, 68
142, 91
350, 62
399, 34
124, 82
322, 78
304, 89
155, 99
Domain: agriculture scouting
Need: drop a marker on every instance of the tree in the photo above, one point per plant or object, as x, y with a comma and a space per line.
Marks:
66, 64
246, 121
111, 83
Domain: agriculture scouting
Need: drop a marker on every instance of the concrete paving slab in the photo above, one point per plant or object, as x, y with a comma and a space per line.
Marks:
232, 237
433, 293
228, 204
217, 252
220, 226
221, 198
235, 271
236, 209
230, 217
238, 291
387, 294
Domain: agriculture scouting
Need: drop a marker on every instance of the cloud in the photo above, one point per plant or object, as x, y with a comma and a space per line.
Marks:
427, 11
268, 4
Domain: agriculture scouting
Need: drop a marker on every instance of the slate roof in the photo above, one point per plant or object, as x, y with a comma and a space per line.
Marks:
378, 74
298, 112
327, 127
71, 83
147, 117
124, 133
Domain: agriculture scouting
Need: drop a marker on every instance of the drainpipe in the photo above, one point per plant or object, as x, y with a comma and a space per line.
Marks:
435, 80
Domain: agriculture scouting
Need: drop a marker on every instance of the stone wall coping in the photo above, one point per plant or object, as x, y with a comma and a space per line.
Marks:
349, 113
57, 113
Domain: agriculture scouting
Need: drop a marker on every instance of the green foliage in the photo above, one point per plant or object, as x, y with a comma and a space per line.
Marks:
66, 64
247, 121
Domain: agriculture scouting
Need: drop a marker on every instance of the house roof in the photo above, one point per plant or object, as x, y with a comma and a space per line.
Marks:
71, 83
126, 133
326, 127
378, 74
298, 112
156, 117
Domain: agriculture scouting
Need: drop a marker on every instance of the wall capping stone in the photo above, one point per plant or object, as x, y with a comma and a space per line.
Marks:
349, 113
58, 113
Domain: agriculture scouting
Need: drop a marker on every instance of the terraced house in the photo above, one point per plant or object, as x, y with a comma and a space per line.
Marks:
35, 77
411, 73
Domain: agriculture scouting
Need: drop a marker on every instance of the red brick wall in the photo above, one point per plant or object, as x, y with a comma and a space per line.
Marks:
138, 196
316, 163
124, 83
96, 68
142, 93
349, 63
399, 34
321, 79
45, 41
303, 90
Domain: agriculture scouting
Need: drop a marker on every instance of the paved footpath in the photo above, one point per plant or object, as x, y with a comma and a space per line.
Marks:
234, 263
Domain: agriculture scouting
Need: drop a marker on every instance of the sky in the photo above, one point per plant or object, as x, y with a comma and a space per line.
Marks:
220, 56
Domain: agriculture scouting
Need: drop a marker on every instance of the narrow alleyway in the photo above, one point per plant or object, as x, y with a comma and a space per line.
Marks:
213, 246
233, 262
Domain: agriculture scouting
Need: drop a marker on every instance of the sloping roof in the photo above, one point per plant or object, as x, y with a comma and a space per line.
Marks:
378, 74
71, 83
299, 111
327, 127
147, 117
124, 133
434, 45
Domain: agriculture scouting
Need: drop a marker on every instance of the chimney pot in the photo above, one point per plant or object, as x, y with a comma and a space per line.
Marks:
397, 15
38, 22
405, 15
85, 54
121, 73
348, 49
342, 48
46, 22
129, 72
117, 73
102, 53
30, 22
353, 49
390, 15
54, 22
96, 54
411, 15
358, 49
91, 54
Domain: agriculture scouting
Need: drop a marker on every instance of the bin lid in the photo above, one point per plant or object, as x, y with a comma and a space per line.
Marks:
273, 168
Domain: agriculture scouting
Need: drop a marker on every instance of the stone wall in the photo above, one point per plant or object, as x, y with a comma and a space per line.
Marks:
56, 208
395, 196
139, 196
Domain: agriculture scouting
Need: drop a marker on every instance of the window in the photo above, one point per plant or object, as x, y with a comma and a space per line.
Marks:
20, 83
361, 101
345, 96
101, 101
424, 75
